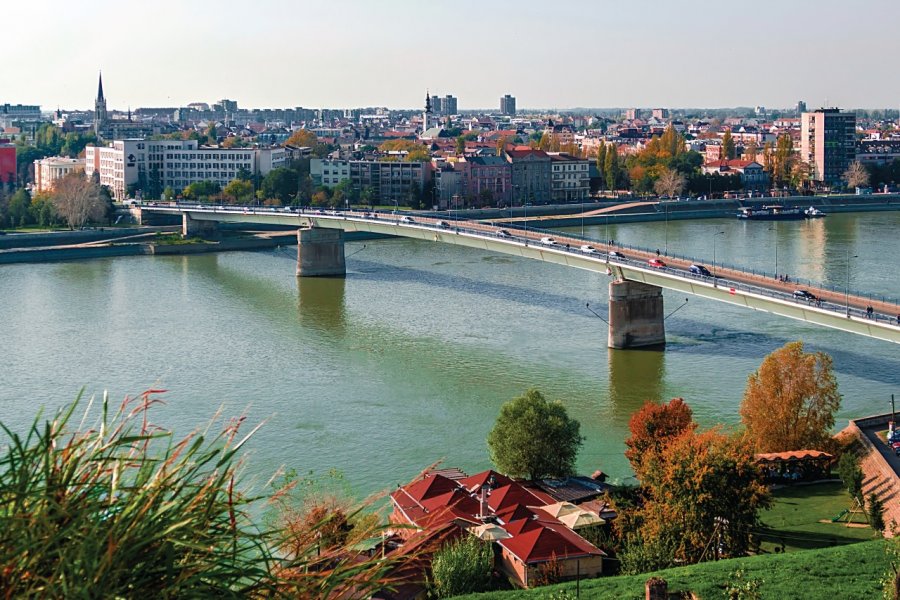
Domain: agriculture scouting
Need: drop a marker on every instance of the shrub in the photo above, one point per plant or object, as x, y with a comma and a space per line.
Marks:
462, 567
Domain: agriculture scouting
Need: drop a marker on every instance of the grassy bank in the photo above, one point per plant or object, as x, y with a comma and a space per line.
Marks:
846, 572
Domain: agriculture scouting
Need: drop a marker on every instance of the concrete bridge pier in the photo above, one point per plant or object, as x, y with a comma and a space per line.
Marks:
636, 315
320, 253
194, 227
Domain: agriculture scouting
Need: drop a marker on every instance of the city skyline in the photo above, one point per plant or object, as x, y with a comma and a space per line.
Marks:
349, 54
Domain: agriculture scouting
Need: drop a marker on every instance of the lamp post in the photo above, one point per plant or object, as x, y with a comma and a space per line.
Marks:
775, 229
666, 204
715, 272
848, 281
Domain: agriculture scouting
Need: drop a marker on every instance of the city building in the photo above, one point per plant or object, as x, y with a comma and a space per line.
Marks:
426, 114
449, 105
100, 115
508, 105
48, 170
7, 162
10, 114
395, 181
530, 175
633, 113
570, 177
147, 164
660, 113
488, 181
753, 176
878, 152
328, 172
827, 143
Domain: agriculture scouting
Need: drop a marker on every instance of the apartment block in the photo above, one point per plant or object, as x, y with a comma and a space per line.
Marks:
828, 143
48, 170
570, 177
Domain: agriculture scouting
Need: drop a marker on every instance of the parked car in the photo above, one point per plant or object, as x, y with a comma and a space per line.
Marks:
804, 295
548, 240
656, 263
894, 436
700, 270
588, 249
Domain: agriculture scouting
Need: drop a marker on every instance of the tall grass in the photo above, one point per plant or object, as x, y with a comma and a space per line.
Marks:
115, 507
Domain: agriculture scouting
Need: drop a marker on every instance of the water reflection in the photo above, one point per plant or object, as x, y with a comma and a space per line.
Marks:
320, 303
634, 376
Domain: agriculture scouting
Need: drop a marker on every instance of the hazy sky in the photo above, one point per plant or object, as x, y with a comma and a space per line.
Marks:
349, 53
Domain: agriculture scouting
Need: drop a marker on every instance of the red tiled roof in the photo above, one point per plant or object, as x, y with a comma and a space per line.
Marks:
474, 482
541, 543
514, 493
514, 513
430, 486
517, 153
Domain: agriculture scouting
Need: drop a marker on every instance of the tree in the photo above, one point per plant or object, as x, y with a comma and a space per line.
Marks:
462, 567
77, 200
238, 190
460, 145
601, 164
704, 492
728, 150
751, 150
302, 138
201, 190
783, 159
611, 167
790, 401
856, 175
670, 183
281, 183
534, 438
851, 474
653, 427
876, 513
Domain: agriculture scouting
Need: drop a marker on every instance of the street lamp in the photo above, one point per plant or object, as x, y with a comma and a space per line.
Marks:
666, 204
848, 280
775, 229
715, 275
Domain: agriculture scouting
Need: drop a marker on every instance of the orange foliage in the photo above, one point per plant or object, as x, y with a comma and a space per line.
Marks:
653, 427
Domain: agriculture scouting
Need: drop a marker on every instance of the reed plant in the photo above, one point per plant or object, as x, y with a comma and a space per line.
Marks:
115, 507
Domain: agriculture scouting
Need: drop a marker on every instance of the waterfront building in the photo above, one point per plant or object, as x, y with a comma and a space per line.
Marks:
328, 172
753, 176
488, 180
395, 181
530, 175
508, 105
827, 143
146, 164
878, 152
48, 170
7, 161
570, 177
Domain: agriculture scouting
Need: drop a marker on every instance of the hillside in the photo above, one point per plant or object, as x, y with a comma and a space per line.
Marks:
848, 572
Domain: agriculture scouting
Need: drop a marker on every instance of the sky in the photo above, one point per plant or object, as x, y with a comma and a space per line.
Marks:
361, 53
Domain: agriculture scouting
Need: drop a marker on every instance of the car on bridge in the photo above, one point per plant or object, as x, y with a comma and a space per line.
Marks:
700, 270
405, 219
656, 263
502, 233
443, 224
614, 254
588, 249
548, 241
804, 295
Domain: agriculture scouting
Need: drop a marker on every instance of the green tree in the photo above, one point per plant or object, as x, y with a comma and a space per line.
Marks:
462, 567
534, 438
168, 193
851, 474
201, 190
790, 401
783, 160
460, 145
876, 513
239, 191
154, 182
281, 183
728, 150
601, 164
611, 167
17, 210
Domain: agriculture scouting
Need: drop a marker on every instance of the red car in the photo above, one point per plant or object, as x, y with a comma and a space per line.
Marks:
655, 262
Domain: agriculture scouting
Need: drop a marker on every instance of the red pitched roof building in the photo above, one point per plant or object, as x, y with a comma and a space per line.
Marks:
536, 537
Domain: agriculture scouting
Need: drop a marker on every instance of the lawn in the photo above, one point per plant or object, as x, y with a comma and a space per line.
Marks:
794, 520
845, 573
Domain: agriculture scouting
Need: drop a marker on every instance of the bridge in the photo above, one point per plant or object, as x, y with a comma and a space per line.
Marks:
635, 318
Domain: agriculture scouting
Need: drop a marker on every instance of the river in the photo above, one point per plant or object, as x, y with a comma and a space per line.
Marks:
408, 359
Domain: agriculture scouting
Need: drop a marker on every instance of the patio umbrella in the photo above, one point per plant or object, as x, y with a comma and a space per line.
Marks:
490, 532
560, 509
582, 518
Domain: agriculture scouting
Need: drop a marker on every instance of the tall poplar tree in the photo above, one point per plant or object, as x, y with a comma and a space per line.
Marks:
601, 164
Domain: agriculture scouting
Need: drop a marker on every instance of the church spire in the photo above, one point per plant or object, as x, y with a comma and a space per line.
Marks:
100, 88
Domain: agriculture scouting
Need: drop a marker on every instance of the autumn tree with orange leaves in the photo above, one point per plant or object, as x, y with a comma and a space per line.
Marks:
653, 427
790, 401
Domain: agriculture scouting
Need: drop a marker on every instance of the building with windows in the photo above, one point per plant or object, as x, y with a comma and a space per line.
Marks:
10, 114
393, 181
570, 177
7, 162
827, 143
508, 105
488, 181
449, 105
151, 165
328, 172
530, 170
48, 170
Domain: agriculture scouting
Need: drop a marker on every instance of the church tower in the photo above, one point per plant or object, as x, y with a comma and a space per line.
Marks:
100, 116
426, 116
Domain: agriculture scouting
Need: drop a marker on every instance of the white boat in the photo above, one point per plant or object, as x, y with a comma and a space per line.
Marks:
813, 213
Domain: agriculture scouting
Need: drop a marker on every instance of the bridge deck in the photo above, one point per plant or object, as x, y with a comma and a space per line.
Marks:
835, 310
